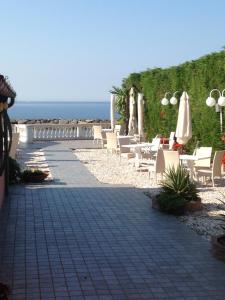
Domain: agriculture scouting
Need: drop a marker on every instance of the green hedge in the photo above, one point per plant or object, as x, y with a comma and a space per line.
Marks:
197, 78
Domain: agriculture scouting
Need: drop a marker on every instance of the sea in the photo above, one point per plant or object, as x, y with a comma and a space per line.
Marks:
60, 110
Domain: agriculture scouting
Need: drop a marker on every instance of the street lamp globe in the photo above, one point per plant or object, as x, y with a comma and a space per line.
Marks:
210, 101
173, 100
221, 101
164, 101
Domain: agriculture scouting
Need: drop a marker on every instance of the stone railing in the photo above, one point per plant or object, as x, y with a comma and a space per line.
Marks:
51, 132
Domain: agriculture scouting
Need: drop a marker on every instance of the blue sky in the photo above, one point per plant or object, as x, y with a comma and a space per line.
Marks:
78, 49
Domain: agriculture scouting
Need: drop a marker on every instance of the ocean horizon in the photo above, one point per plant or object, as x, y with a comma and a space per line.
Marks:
60, 110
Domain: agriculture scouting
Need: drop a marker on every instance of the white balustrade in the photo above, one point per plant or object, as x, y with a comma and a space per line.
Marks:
47, 132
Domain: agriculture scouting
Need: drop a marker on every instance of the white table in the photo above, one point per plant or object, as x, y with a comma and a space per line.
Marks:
137, 150
107, 130
125, 136
190, 159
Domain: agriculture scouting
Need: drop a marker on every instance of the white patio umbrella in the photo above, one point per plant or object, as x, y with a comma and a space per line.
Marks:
112, 111
132, 126
140, 115
184, 126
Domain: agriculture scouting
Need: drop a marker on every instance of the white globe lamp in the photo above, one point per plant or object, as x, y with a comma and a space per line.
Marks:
164, 101
173, 100
210, 101
221, 101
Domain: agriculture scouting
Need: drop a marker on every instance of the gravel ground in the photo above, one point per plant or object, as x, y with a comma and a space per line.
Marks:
108, 168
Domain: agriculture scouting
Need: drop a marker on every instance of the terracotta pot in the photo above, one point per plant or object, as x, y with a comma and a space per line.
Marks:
193, 206
218, 247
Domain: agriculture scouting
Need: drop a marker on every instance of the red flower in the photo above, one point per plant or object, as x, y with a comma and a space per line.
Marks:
177, 146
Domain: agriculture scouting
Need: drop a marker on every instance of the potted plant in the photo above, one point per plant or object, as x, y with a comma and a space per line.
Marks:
179, 193
218, 242
14, 171
35, 175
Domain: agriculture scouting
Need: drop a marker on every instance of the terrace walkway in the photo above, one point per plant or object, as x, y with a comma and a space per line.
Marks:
75, 238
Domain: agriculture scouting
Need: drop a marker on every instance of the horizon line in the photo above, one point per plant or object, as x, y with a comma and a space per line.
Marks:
60, 101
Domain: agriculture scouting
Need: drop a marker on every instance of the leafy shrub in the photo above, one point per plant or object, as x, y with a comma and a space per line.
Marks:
14, 171
29, 175
177, 191
171, 203
177, 181
222, 215
198, 78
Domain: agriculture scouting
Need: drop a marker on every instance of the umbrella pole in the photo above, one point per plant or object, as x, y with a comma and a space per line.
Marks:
127, 113
221, 119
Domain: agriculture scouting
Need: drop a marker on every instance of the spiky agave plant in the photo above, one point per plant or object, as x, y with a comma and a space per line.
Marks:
177, 181
177, 190
221, 217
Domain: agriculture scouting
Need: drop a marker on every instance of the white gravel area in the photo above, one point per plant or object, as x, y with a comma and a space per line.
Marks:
108, 168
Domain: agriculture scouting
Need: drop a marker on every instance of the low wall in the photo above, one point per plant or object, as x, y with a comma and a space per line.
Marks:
52, 132
2, 189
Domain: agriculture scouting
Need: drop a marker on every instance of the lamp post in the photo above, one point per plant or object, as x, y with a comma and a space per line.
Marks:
173, 100
219, 104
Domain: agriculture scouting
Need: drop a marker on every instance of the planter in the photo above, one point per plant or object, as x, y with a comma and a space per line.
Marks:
189, 207
193, 206
218, 247
35, 178
155, 203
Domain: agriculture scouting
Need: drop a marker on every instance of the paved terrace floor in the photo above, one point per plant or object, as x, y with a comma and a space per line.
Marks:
75, 238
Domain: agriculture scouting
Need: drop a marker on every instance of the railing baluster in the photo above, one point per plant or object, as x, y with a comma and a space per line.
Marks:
56, 131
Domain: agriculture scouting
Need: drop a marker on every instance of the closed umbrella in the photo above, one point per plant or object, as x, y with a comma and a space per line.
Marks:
184, 126
132, 126
112, 111
140, 115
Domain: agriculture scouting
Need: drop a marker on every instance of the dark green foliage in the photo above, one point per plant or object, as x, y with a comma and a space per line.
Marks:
121, 101
198, 78
177, 191
177, 181
222, 216
30, 175
14, 171
171, 203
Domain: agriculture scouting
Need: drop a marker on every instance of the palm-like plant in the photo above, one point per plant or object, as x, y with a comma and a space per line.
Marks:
222, 215
177, 181
121, 101
177, 191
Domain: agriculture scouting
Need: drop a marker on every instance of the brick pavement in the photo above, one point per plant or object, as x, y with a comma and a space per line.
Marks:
75, 238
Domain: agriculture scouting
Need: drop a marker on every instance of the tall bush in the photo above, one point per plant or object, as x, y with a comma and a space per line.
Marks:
197, 78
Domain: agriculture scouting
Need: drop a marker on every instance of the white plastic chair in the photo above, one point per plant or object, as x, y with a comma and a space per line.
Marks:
97, 130
111, 142
157, 166
204, 157
171, 159
117, 129
215, 170
150, 152
98, 135
125, 151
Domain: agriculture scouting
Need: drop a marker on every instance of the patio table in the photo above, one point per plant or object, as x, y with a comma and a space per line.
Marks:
107, 130
137, 150
125, 136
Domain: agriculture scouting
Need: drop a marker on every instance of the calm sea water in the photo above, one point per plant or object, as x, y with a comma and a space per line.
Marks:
63, 110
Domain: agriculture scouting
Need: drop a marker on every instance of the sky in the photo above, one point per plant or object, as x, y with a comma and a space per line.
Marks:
78, 49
